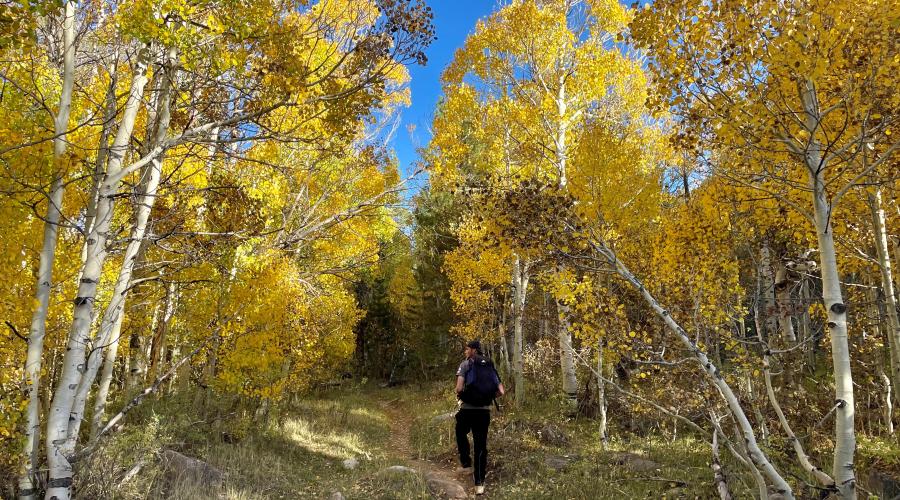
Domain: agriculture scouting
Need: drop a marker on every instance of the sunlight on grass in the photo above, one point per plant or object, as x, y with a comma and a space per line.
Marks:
334, 445
367, 413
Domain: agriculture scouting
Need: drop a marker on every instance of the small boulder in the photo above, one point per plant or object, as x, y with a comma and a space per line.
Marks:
337, 495
400, 468
553, 436
557, 463
635, 463
441, 487
350, 463
442, 418
881, 484
676, 493
182, 468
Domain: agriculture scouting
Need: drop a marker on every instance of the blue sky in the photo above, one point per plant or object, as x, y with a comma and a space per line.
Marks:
454, 20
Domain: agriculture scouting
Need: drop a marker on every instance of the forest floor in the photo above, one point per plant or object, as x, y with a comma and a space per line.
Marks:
367, 442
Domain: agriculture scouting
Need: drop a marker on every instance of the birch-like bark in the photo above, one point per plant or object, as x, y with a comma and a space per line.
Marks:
888, 409
566, 354
718, 472
116, 306
154, 387
504, 345
844, 433
109, 117
561, 131
60, 474
757, 456
887, 283
27, 482
601, 396
895, 243
743, 456
106, 376
767, 293
520, 289
114, 422
845, 437
806, 332
740, 455
158, 347
27, 474
784, 302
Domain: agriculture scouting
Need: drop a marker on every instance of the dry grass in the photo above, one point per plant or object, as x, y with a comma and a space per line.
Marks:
300, 454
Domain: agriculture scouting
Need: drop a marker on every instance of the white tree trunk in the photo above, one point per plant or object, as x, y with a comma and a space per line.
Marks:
784, 302
109, 117
601, 396
520, 289
109, 364
116, 307
888, 414
845, 438
182, 376
844, 434
743, 456
137, 366
757, 456
504, 345
718, 472
767, 293
887, 283
60, 476
560, 143
27, 485
37, 330
895, 242
566, 354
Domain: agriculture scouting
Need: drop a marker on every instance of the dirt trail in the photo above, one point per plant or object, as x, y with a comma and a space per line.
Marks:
443, 481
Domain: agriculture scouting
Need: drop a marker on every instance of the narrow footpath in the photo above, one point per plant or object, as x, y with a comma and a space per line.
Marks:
442, 481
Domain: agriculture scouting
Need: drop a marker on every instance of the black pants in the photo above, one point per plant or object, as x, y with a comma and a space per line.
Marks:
476, 421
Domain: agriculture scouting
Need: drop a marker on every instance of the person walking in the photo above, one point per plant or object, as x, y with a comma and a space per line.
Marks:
477, 386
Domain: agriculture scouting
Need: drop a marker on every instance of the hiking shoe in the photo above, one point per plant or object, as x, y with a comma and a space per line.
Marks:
479, 490
464, 470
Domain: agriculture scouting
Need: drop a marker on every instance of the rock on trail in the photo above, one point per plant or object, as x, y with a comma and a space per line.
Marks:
440, 481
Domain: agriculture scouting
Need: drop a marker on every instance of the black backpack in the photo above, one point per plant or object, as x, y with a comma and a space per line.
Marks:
482, 382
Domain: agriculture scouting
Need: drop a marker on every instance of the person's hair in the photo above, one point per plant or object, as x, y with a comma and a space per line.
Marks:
475, 344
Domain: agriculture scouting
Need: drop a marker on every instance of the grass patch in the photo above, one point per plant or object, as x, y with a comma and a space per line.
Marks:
523, 464
298, 454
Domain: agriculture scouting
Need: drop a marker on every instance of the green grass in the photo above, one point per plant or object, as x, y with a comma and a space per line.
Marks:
517, 456
299, 454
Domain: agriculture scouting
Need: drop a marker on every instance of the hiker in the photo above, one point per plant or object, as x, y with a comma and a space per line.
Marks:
477, 385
